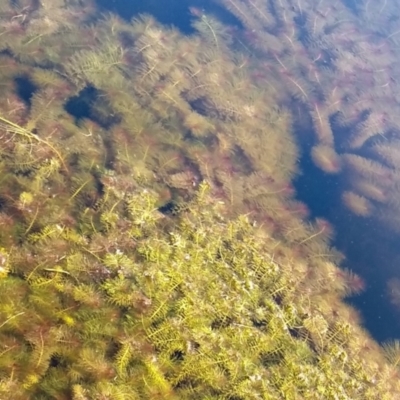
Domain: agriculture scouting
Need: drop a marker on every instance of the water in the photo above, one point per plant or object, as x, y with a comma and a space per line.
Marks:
363, 240
192, 195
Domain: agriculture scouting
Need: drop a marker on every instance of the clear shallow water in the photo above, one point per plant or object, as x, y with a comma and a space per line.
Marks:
370, 246
129, 150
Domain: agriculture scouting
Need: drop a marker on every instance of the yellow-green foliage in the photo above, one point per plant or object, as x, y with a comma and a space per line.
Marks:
102, 296
192, 310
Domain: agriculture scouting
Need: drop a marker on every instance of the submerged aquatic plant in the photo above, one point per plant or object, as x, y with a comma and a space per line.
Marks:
222, 293
172, 309
335, 63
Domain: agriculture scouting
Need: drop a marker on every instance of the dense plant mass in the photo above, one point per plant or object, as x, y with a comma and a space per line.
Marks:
151, 246
144, 307
336, 60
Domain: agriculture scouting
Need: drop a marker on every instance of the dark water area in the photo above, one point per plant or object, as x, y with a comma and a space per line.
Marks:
366, 244
360, 240
171, 12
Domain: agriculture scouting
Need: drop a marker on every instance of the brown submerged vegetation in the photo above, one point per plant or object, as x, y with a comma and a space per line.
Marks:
339, 67
154, 249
